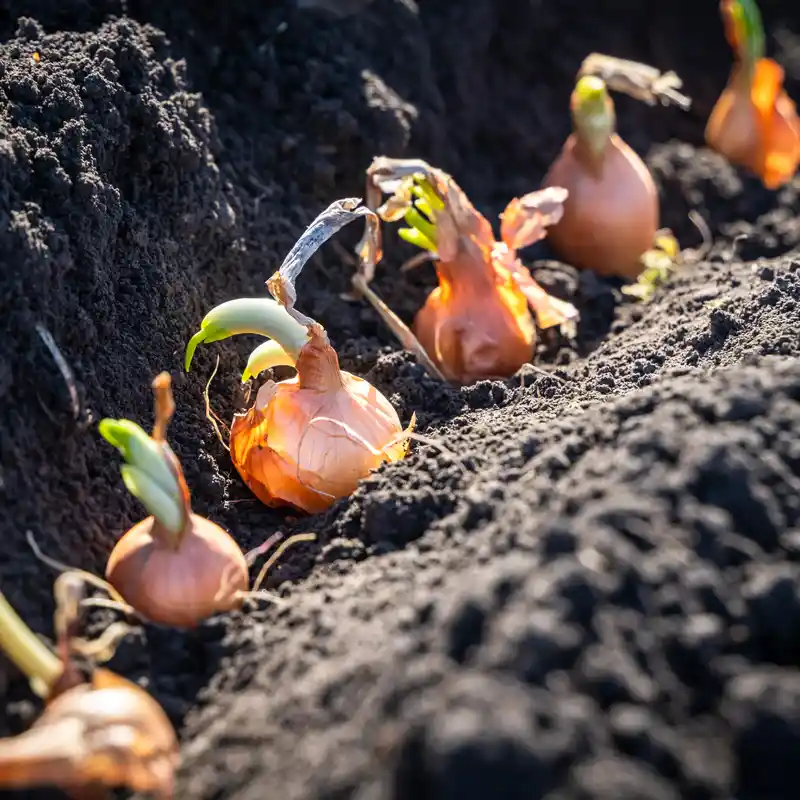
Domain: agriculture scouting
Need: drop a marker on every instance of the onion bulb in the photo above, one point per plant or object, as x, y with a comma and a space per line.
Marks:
476, 323
174, 567
612, 215
306, 441
107, 733
754, 123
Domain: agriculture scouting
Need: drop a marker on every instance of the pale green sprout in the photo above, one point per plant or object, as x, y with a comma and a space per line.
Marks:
593, 113
152, 474
26, 651
747, 29
257, 315
147, 475
265, 356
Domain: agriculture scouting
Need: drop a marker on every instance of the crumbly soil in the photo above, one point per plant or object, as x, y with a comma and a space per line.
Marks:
588, 586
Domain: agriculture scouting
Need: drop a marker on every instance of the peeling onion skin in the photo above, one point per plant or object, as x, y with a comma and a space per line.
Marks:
475, 325
109, 733
205, 575
285, 460
612, 215
757, 127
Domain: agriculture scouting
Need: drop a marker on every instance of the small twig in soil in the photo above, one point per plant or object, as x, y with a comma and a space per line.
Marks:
417, 261
397, 327
63, 367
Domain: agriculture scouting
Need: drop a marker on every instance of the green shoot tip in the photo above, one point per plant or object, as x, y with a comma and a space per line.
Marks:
196, 340
147, 474
417, 238
590, 89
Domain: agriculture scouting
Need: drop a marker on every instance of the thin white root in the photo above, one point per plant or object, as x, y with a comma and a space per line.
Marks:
282, 548
263, 595
69, 590
742, 237
546, 373
113, 605
87, 577
105, 646
211, 415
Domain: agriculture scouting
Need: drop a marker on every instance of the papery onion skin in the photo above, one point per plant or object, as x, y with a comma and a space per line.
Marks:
206, 574
612, 215
754, 124
110, 733
287, 460
475, 325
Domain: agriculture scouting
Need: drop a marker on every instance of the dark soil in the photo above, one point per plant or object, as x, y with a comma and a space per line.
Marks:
591, 587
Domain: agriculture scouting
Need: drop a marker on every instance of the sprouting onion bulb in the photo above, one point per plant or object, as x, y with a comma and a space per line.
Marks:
476, 323
107, 732
612, 215
307, 441
174, 567
754, 123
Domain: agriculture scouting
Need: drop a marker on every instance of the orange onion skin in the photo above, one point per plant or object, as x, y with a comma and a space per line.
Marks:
285, 459
612, 214
206, 574
476, 324
757, 127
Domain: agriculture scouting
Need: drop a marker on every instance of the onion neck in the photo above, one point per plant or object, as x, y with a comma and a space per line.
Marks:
468, 275
742, 76
593, 119
744, 30
318, 364
164, 411
167, 537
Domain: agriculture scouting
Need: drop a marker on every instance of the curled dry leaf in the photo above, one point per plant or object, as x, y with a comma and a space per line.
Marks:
329, 222
640, 81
